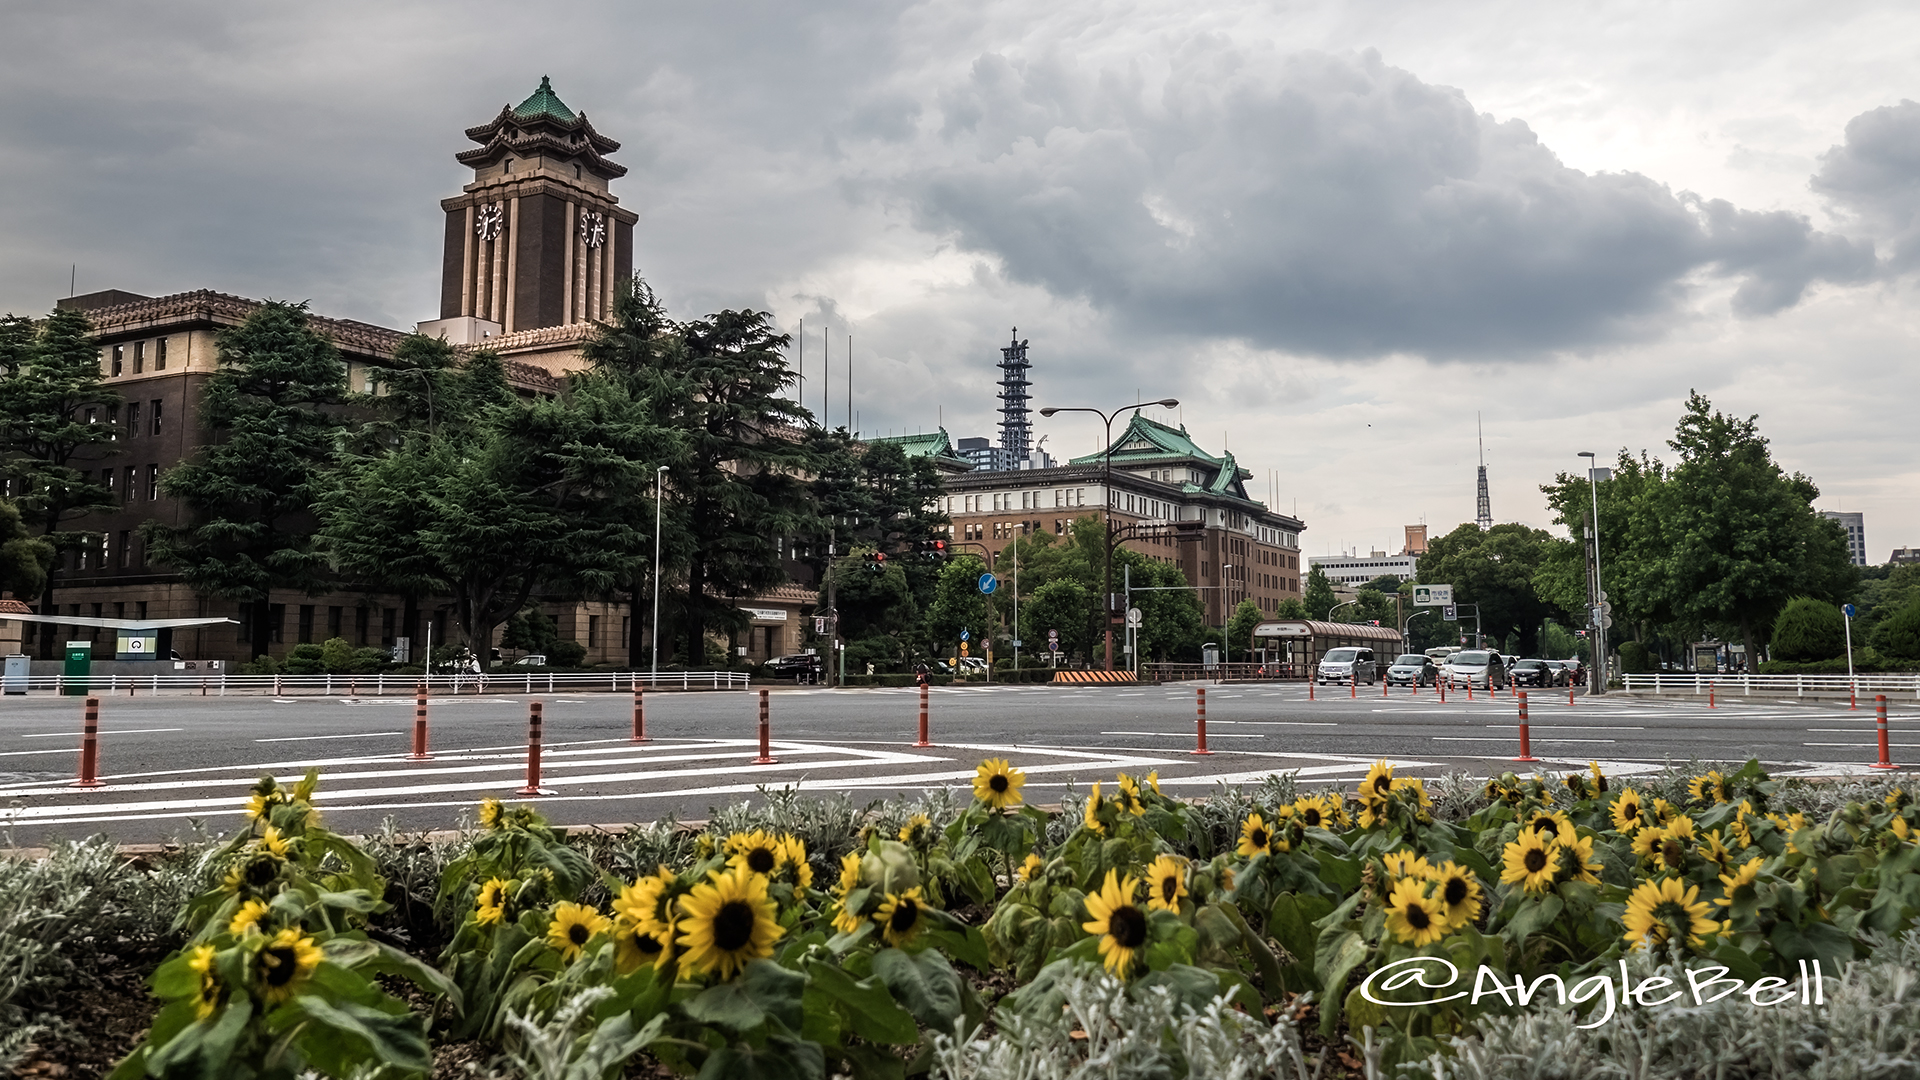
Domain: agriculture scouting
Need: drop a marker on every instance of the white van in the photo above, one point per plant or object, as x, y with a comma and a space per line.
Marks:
1349, 663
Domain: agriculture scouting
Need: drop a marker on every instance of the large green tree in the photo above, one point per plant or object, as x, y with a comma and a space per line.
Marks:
1494, 569
1319, 596
54, 409
272, 409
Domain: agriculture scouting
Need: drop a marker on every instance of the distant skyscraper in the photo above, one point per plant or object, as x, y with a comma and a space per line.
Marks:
1482, 505
1855, 525
1014, 429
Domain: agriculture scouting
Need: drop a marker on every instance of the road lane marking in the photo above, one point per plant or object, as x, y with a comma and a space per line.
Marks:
1180, 734
359, 735
1282, 723
1482, 738
75, 734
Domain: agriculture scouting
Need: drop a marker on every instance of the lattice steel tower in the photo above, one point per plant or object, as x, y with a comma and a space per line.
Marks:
1014, 429
1482, 506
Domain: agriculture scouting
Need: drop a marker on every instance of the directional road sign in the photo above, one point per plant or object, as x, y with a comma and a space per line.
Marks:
965, 635
1432, 595
1133, 616
988, 583
1451, 613
1847, 610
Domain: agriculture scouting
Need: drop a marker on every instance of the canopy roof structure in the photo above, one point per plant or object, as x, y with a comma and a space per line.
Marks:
542, 125
112, 624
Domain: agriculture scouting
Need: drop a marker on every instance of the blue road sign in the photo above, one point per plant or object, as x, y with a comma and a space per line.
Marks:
965, 635
988, 583
1847, 610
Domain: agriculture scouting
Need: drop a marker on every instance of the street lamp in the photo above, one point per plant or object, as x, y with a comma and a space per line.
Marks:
1337, 607
1599, 592
1406, 643
658, 475
1106, 480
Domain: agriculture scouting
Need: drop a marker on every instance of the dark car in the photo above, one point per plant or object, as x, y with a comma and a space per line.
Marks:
1575, 670
1413, 669
801, 667
1534, 673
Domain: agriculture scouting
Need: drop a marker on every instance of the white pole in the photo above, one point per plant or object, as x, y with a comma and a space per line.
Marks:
1846, 620
428, 666
653, 677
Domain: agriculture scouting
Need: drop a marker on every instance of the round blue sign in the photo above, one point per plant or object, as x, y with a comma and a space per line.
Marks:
1847, 609
965, 634
988, 583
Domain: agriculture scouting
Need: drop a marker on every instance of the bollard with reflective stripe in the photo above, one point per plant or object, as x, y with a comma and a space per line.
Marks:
90, 747
1880, 722
420, 724
1526, 747
1200, 719
923, 717
533, 752
639, 714
1710, 703
766, 735
1569, 691
1353, 685
1310, 683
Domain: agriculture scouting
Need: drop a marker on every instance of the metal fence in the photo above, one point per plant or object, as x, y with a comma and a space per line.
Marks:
1904, 684
214, 684
1235, 672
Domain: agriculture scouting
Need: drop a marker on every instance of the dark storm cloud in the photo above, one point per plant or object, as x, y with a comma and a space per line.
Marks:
1875, 177
1330, 204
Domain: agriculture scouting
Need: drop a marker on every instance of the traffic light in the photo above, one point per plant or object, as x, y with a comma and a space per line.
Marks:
935, 550
877, 562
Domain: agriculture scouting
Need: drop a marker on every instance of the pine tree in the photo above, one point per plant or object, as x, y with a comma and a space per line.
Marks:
53, 407
1319, 596
272, 408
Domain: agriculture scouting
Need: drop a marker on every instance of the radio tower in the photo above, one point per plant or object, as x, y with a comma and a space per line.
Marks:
1482, 506
1014, 429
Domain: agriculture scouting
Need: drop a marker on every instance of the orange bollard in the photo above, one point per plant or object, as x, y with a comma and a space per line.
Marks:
1526, 748
420, 724
1853, 697
533, 752
639, 715
1710, 703
1353, 685
1309, 689
1469, 688
766, 735
1569, 693
1383, 690
1200, 719
923, 718
90, 747
1880, 721
1441, 686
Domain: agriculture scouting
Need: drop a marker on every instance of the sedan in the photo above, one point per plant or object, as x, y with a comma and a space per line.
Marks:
1534, 673
1413, 669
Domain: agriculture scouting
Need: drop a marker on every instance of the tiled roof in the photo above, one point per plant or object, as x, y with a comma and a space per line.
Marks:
1145, 438
223, 309
544, 102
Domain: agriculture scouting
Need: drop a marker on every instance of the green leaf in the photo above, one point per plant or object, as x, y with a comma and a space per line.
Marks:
727, 1006
777, 990
1191, 986
344, 1039
958, 940
873, 1063
783, 1058
924, 982
871, 1009
1338, 869
1335, 956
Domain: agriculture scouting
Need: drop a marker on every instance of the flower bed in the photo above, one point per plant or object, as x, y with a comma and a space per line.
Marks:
812, 939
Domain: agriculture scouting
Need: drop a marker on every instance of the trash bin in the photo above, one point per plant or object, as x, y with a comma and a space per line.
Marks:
79, 663
19, 667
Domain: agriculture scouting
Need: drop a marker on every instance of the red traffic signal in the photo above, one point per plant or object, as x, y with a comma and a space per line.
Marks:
935, 549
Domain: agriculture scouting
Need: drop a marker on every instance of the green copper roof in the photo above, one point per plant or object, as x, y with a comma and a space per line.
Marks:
932, 444
1147, 438
544, 102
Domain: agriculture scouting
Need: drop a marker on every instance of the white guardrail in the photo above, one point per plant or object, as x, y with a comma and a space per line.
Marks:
1905, 684
211, 684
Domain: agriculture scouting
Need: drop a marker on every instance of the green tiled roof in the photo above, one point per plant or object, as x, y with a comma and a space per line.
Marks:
1147, 438
544, 102
932, 444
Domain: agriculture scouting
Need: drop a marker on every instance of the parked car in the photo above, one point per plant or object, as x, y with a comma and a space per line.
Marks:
1576, 671
1413, 669
1559, 672
1350, 663
800, 667
1539, 673
532, 660
1476, 667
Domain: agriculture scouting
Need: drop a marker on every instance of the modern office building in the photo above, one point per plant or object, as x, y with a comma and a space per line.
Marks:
1855, 525
1359, 569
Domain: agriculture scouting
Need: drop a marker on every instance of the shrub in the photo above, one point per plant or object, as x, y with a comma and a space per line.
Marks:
1899, 635
1634, 659
305, 659
1808, 630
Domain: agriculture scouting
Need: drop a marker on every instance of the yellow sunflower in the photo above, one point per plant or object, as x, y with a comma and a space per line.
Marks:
1413, 916
757, 852
207, 996
793, 855
1415, 785
997, 783
1313, 812
635, 948
1715, 850
1028, 868
490, 812
254, 872
918, 830
1403, 864
849, 873
1089, 813
1646, 843
1577, 783
490, 907
1378, 782
1166, 883
1122, 926
1153, 781
1553, 823
901, 916
1664, 810
648, 903
727, 921
1790, 824
1529, 862
1897, 799
271, 840
1711, 788
287, 961
1599, 778
1127, 795
1658, 910
247, 919
1627, 813
573, 926
260, 804
1458, 889
1742, 878
1576, 855
1900, 827
1255, 837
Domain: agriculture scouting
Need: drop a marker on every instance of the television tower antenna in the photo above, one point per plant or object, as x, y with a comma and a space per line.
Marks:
1482, 506
1014, 427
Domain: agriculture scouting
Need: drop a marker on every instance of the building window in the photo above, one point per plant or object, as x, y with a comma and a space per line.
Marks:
361, 617
153, 482
139, 357
626, 628
334, 615
106, 480
128, 490
126, 547
160, 355
154, 419
119, 359
386, 626
133, 418
277, 622
305, 629
593, 631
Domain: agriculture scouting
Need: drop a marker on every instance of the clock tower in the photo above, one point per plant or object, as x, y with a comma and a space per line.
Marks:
535, 240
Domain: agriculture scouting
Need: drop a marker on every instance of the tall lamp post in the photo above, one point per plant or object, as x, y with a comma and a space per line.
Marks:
1599, 591
1406, 643
659, 474
1106, 499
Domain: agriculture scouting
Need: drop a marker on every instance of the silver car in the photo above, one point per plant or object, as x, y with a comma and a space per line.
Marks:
1347, 664
1413, 669
1480, 668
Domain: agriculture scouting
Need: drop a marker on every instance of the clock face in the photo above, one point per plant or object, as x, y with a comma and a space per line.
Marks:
486, 220
593, 229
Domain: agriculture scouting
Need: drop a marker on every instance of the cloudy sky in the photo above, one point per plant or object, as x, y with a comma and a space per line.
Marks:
1337, 232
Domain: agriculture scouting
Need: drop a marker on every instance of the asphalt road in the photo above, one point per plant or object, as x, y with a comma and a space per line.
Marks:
168, 761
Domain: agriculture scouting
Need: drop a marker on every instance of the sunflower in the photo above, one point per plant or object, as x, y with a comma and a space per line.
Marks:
1900, 827
1576, 855
1127, 796
1255, 837
849, 873
1657, 910
1627, 813
1897, 799
1121, 925
1599, 778
260, 804
648, 903
1413, 916
1664, 811
1415, 785
634, 948
1166, 883
573, 926
272, 841
1742, 878
1378, 783
1028, 868
756, 851
1711, 788
207, 995
917, 831
1089, 814
727, 921
1313, 812
901, 916
1715, 850
247, 919
1529, 862
1646, 843
1405, 864
997, 783
1553, 823
490, 813
1458, 888
253, 873
1153, 781
287, 961
793, 853
1680, 825
1577, 783
490, 907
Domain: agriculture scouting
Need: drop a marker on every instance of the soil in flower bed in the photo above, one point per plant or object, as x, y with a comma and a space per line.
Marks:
104, 1020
